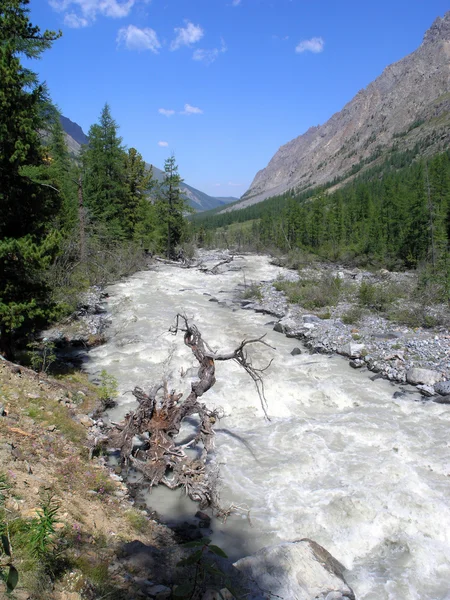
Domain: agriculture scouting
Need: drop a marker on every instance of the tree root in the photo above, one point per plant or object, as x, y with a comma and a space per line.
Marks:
159, 415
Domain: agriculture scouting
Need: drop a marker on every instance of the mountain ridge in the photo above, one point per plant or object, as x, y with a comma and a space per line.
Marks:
409, 103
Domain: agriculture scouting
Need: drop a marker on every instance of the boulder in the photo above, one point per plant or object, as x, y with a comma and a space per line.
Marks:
352, 350
278, 327
426, 390
442, 388
302, 570
417, 376
442, 399
295, 351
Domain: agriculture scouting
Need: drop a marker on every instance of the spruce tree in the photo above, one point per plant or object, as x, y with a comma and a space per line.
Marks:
27, 207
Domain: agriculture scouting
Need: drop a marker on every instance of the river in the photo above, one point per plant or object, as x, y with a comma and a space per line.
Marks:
341, 461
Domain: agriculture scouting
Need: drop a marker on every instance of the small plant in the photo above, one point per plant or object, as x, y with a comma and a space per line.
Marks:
206, 572
252, 291
8, 572
11, 577
42, 355
137, 520
108, 389
42, 528
352, 316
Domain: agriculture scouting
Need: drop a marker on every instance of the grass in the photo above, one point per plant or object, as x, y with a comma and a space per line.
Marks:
137, 520
312, 293
252, 291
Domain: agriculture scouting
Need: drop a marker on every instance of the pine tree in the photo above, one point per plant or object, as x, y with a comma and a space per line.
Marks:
27, 207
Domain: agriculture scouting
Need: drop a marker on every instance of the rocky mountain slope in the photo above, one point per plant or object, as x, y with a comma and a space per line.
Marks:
199, 201
408, 104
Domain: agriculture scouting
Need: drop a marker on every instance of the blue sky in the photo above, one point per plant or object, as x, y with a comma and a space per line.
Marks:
222, 84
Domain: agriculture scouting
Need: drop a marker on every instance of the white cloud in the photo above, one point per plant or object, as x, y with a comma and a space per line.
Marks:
134, 38
163, 144
74, 21
84, 12
186, 36
236, 2
208, 56
191, 110
232, 184
167, 112
315, 45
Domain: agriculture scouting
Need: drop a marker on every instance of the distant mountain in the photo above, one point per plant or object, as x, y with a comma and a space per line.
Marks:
74, 130
199, 201
407, 105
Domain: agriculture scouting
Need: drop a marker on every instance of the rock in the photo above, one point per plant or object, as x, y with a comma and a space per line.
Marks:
2, 410
278, 327
302, 570
85, 420
296, 351
352, 350
161, 592
213, 300
310, 319
442, 388
426, 390
223, 594
357, 363
425, 376
203, 517
442, 399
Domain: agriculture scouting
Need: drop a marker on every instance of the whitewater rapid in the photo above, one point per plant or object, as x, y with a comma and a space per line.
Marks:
342, 462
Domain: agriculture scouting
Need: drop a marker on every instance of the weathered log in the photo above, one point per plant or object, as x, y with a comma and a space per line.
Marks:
160, 413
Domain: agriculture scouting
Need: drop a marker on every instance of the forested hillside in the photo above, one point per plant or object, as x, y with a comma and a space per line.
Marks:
66, 223
396, 215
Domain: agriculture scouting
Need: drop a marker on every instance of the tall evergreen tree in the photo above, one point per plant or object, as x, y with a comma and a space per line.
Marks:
172, 206
27, 207
139, 182
105, 190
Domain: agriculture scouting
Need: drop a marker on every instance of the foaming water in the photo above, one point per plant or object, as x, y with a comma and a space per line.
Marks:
341, 461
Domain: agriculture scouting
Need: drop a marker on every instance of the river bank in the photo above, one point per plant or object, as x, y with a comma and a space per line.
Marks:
403, 354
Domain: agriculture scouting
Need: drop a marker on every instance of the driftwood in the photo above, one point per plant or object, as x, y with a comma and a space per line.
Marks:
214, 270
159, 416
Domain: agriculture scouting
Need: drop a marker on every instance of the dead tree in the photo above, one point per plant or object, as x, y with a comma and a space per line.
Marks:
159, 416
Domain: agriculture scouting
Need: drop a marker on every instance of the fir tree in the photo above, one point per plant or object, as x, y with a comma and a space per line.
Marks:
27, 207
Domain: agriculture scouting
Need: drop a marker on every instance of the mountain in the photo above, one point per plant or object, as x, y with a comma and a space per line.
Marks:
407, 105
199, 201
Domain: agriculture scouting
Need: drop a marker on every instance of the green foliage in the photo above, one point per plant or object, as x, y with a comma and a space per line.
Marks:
377, 297
8, 572
28, 205
171, 207
206, 571
108, 389
394, 214
41, 533
42, 355
352, 316
312, 293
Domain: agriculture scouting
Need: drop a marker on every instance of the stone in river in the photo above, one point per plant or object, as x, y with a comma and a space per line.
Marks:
442, 388
302, 570
423, 376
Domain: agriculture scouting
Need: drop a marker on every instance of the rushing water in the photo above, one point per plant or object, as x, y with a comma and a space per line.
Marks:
341, 461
